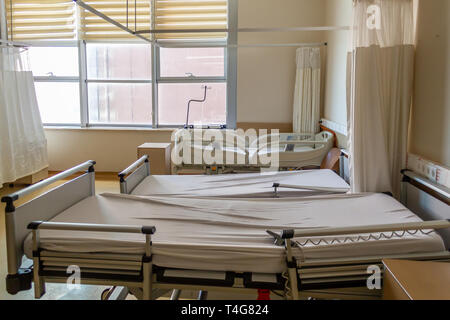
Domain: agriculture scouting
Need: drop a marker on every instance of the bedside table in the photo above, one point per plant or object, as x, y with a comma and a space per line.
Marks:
416, 280
159, 157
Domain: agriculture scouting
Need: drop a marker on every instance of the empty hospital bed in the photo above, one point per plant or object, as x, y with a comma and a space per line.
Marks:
137, 180
239, 153
317, 246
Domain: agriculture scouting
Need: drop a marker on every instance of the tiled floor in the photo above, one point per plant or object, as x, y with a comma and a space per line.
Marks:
103, 183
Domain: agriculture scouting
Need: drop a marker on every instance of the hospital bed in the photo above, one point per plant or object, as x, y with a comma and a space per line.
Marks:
137, 180
238, 154
317, 246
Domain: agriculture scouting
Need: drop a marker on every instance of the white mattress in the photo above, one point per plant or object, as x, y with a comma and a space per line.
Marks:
243, 185
213, 234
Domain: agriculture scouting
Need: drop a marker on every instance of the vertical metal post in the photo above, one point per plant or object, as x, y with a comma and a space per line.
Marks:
3, 23
155, 77
232, 57
342, 165
292, 271
91, 172
147, 269
175, 294
147, 166
123, 186
39, 284
155, 66
84, 107
404, 190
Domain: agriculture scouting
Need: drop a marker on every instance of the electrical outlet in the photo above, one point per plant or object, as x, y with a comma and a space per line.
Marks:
432, 173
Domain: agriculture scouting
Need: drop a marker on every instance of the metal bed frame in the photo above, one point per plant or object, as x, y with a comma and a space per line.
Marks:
249, 166
322, 278
132, 176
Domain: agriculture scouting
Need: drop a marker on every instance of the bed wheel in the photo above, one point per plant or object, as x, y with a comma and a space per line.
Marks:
107, 293
20, 281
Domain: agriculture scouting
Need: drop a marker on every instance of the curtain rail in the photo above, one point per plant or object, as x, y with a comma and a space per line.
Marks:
138, 33
108, 19
243, 30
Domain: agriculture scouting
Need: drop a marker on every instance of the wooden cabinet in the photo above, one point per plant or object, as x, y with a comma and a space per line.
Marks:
159, 156
416, 280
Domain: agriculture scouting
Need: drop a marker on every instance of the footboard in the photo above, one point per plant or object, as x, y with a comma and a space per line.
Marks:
134, 174
42, 208
127, 270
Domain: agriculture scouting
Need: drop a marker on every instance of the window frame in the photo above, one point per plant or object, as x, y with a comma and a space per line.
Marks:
86, 81
54, 79
229, 78
194, 79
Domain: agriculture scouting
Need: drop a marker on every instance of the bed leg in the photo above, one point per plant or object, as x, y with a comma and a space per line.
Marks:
147, 269
147, 285
202, 295
175, 294
292, 270
39, 283
293, 283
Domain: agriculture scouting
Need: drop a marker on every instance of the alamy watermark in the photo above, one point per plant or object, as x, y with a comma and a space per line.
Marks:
373, 22
73, 281
227, 148
374, 280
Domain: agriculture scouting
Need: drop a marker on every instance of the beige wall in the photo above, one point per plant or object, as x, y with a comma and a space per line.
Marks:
430, 126
114, 150
266, 76
338, 13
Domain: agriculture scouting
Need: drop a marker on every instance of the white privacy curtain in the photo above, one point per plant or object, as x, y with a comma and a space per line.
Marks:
307, 91
23, 147
380, 93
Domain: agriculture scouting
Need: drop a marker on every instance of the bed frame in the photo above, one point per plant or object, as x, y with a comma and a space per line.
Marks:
132, 176
343, 278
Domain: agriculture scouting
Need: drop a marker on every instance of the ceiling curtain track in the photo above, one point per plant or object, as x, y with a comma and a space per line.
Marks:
173, 27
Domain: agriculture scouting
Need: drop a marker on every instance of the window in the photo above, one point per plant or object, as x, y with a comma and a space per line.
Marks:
89, 72
173, 107
192, 62
187, 71
119, 83
56, 75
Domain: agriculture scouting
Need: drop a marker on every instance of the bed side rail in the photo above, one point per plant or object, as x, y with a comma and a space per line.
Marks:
42, 225
426, 198
42, 207
9, 199
134, 174
284, 239
323, 232
38, 267
437, 191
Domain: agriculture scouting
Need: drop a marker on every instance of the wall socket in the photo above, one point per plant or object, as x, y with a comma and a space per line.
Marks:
426, 169
434, 172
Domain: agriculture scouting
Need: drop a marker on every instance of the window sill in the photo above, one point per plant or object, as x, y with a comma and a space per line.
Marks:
77, 128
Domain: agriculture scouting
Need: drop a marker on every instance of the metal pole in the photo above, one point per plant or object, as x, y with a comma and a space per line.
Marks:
108, 19
3, 25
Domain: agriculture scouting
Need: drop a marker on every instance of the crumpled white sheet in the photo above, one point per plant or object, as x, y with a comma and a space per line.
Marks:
230, 234
243, 185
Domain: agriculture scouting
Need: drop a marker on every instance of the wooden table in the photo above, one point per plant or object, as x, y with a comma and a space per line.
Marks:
159, 157
416, 280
